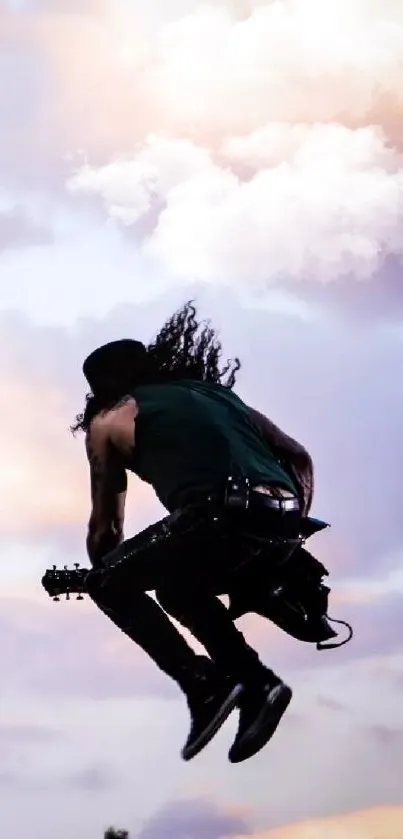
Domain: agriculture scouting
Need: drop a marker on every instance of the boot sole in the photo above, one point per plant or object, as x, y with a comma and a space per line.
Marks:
250, 746
189, 752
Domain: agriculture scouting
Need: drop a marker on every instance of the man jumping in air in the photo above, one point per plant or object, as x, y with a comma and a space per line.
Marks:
167, 412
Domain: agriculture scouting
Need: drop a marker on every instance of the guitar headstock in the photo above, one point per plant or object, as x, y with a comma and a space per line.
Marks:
65, 581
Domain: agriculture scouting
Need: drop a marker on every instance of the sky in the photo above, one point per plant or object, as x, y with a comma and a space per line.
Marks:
248, 154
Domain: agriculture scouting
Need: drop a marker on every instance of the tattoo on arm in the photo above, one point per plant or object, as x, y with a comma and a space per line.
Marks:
108, 483
108, 491
96, 467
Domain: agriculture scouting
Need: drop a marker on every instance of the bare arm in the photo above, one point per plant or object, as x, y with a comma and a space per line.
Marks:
108, 493
294, 454
281, 441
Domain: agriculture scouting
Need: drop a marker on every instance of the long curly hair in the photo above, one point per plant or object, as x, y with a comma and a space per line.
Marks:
182, 349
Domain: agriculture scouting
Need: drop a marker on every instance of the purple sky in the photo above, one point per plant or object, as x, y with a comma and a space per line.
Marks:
246, 154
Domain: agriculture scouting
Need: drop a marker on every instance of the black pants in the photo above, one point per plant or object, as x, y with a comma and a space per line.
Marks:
190, 594
186, 569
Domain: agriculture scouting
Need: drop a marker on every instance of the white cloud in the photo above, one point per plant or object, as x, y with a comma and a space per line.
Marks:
319, 202
288, 60
245, 140
267, 154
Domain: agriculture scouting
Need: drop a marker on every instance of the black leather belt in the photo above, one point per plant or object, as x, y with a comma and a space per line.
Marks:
285, 505
239, 495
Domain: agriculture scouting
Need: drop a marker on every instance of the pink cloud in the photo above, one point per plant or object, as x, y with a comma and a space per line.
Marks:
132, 73
376, 823
258, 105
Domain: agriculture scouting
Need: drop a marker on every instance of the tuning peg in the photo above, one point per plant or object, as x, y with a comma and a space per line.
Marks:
68, 596
56, 599
54, 567
76, 565
80, 597
65, 567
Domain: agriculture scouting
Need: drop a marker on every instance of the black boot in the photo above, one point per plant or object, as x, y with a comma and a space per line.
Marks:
211, 699
262, 706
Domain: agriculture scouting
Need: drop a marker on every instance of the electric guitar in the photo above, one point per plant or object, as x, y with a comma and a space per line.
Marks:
65, 581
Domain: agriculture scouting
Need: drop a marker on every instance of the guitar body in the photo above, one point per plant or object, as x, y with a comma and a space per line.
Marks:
293, 596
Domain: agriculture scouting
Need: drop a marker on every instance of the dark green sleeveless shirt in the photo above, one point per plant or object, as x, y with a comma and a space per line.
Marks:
190, 436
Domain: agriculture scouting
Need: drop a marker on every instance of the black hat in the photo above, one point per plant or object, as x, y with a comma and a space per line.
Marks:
111, 360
